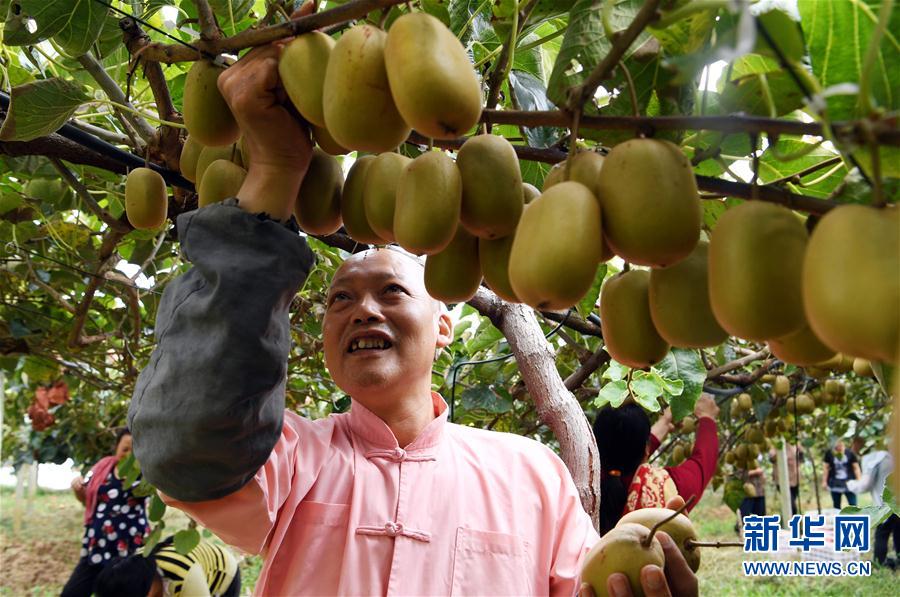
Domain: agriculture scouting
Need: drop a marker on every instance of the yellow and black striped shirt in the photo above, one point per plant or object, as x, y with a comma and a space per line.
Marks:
184, 573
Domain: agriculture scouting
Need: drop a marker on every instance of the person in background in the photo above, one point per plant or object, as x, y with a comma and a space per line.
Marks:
754, 505
207, 570
114, 519
628, 482
841, 465
876, 467
794, 457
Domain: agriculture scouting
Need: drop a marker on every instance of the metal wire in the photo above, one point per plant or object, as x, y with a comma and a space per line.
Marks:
455, 369
157, 29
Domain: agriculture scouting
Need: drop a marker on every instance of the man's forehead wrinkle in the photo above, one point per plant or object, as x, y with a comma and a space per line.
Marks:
377, 264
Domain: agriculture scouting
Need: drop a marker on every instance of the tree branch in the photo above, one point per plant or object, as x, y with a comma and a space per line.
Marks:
115, 93
47, 288
107, 249
57, 146
738, 363
555, 405
169, 53
101, 133
580, 375
209, 30
575, 322
886, 130
85, 196
747, 379
167, 147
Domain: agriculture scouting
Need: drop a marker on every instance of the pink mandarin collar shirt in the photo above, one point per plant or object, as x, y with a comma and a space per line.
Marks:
341, 508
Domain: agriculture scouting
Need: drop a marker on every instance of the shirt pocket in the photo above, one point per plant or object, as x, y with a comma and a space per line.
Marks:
488, 563
317, 529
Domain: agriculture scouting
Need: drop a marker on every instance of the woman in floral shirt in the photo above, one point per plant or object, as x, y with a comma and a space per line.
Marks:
114, 520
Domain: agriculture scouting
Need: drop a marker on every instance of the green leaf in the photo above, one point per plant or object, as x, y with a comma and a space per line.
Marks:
772, 166
646, 387
615, 371
49, 19
585, 44
157, 508
876, 514
587, 304
734, 494
186, 540
483, 399
154, 537
460, 12
82, 28
40, 108
614, 393
784, 31
144, 489
687, 366
126, 466
837, 36
438, 9
759, 86
531, 95
486, 336
688, 35
534, 172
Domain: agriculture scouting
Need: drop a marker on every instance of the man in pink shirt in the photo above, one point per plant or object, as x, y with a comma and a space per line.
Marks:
388, 498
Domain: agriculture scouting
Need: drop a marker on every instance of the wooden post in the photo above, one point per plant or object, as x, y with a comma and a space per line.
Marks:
784, 483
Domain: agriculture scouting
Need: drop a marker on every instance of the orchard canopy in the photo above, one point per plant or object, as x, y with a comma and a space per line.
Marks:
789, 104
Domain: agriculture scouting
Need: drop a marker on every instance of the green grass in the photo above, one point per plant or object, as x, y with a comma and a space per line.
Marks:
721, 573
39, 556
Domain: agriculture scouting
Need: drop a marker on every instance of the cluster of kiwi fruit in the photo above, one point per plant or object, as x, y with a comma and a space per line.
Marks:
632, 544
763, 277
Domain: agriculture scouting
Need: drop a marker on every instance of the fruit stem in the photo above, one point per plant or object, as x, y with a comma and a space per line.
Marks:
645, 543
865, 76
631, 93
690, 544
573, 142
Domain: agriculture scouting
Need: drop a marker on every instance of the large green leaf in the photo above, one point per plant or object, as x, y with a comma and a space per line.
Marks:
837, 36
40, 108
585, 44
483, 400
47, 17
759, 86
686, 365
531, 95
186, 540
82, 28
588, 303
772, 167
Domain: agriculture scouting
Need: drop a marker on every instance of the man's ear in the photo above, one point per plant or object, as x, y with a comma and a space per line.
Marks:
445, 329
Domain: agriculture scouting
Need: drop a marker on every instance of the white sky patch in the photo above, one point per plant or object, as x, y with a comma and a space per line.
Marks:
709, 79
788, 6
50, 476
169, 16
130, 269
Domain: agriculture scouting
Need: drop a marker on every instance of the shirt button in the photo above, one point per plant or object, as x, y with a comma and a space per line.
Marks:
393, 529
399, 453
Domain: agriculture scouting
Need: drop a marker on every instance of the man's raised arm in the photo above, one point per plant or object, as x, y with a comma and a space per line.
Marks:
208, 408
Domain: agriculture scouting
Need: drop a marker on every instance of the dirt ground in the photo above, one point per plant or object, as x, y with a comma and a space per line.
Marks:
38, 559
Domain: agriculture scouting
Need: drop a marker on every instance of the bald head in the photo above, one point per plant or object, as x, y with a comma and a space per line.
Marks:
383, 260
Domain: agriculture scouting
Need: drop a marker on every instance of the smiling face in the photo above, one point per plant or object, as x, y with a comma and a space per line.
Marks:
381, 327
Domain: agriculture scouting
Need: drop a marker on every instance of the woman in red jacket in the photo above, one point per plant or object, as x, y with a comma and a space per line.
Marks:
628, 482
